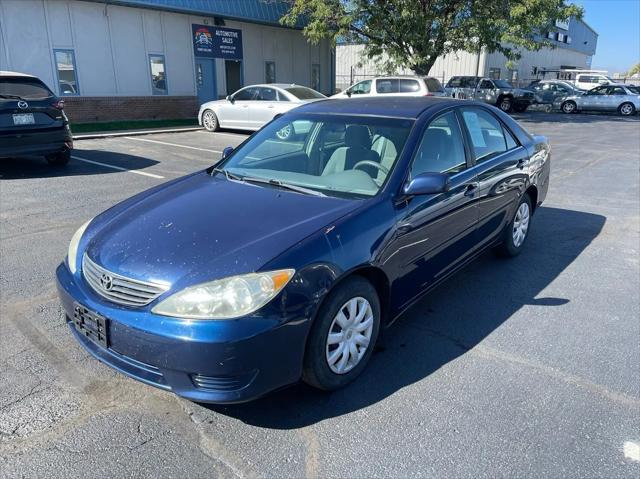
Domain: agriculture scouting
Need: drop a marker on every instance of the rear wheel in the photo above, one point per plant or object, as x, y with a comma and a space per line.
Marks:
59, 159
569, 107
505, 103
343, 335
210, 121
627, 109
517, 231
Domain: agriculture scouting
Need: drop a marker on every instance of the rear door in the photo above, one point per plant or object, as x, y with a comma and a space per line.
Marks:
500, 165
263, 109
385, 86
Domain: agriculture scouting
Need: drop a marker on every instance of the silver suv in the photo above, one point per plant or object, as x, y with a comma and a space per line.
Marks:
395, 86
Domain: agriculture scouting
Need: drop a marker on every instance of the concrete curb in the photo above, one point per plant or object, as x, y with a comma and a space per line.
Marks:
116, 133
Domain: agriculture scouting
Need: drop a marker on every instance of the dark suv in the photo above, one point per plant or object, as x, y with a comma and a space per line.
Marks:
31, 120
495, 92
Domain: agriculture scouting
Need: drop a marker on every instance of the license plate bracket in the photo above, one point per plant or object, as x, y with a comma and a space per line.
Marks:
91, 325
24, 119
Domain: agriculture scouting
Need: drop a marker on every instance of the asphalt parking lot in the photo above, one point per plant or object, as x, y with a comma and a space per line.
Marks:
513, 368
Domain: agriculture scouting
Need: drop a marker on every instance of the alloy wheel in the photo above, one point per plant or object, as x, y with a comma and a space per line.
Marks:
284, 132
349, 335
626, 109
521, 225
209, 120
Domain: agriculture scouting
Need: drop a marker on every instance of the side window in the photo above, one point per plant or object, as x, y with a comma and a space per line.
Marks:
361, 88
486, 132
486, 85
599, 90
388, 85
410, 86
267, 94
441, 149
245, 94
616, 90
281, 96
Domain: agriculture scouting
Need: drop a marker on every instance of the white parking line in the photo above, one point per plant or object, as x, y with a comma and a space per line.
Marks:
235, 135
117, 167
171, 144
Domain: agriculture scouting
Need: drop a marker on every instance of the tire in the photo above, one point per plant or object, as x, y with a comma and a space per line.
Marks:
322, 363
520, 108
285, 132
210, 121
513, 242
569, 107
626, 109
59, 159
505, 103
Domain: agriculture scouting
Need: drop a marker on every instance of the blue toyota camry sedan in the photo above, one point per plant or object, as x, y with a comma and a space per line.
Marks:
284, 260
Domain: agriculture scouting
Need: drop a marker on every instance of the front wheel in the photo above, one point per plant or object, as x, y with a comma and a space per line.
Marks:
627, 109
517, 231
505, 104
210, 121
343, 335
59, 159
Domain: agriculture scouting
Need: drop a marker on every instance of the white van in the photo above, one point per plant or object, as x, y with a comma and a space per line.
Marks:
395, 86
587, 81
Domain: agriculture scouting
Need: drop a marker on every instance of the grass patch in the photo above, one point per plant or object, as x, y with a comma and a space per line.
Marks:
130, 125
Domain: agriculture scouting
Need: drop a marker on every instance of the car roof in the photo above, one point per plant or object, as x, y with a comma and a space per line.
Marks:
282, 86
4, 73
395, 107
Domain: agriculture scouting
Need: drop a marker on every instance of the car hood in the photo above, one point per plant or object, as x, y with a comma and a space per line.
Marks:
205, 227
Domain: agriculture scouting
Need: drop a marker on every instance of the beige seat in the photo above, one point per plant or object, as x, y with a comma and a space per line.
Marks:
387, 152
358, 148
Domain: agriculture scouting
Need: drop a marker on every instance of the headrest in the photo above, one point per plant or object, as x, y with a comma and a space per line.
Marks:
357, 136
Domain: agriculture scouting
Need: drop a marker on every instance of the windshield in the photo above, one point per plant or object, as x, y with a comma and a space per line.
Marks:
304, 93
346, 156
26, 88
502, 84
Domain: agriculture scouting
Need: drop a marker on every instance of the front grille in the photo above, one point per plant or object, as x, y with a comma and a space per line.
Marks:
119, 289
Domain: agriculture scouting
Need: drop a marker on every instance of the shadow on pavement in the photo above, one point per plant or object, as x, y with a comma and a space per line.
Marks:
37, 166
450, 321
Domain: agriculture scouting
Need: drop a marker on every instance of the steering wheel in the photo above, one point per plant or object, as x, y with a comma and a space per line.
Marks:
372, 163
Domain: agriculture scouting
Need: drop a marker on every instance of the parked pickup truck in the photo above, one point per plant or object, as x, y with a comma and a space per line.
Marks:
495, 92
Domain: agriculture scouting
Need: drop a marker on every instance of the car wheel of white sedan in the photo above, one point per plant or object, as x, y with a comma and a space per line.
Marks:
343, 335
285, 132
627, 109
210, 121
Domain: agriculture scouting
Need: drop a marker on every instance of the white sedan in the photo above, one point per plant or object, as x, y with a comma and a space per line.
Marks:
253, 106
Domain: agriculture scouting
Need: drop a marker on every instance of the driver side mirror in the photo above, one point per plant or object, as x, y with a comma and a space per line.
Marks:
348, 93
427, 184
229, 98
226, 152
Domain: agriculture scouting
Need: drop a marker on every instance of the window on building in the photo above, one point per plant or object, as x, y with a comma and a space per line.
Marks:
514, 75
269, 72
66, 68
315, 77
494, 73
158, 75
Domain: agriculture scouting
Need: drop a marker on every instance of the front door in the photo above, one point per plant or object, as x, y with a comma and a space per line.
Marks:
206, 80
435, 233
233, 75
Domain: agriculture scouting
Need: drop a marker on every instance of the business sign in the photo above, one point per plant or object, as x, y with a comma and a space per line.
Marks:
217, 42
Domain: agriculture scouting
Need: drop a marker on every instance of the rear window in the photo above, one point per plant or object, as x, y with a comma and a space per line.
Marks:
26, 88
634, 89
433, 84
304, 93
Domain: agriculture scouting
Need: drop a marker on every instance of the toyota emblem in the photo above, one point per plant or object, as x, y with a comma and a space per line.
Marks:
106, 282
23, 104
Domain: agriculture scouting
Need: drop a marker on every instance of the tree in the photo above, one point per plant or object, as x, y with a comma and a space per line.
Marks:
414, 33
633, 70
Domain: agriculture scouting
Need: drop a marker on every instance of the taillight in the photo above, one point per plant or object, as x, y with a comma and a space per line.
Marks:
58, 104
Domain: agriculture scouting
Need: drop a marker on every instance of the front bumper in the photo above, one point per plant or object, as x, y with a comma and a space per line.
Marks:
204, 361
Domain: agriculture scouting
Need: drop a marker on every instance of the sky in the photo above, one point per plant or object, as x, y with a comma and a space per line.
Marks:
617, 23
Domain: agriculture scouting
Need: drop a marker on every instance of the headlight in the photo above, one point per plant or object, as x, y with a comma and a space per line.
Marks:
73, 247
225, 298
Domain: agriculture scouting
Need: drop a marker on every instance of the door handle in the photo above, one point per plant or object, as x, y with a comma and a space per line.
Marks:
470, 189
269, 106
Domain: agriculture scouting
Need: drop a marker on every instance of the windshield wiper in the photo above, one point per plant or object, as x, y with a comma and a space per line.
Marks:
11, 97
280, 184
227, 174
